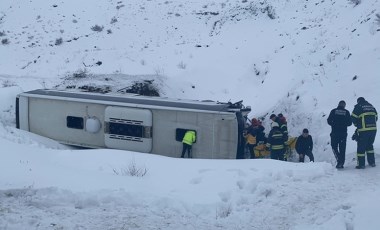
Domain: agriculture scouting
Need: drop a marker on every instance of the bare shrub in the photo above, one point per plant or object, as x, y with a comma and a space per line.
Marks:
146, 88
5, 41
25, 194
97, 28
8, 83
269, 10
81, 73
113, 20
95, 89
120, 6
159, 71
223, 211
181, 65
2, 33
58, 41
355, 2
377, 19
131, 170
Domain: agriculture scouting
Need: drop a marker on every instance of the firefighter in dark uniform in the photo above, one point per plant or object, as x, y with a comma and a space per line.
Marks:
339, 119
364, 117
276, 142
281, 121
283, 125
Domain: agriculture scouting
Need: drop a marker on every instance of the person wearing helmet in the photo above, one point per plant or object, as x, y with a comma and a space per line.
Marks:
258, 130
254, 135
282, 123
276, 142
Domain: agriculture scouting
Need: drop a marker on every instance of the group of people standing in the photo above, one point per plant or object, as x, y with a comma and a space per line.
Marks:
364, 118
278, 139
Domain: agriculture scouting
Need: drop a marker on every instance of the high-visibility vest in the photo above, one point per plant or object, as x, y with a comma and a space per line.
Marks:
250, 139
189, 137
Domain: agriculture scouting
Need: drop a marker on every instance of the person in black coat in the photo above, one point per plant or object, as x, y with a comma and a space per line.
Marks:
258, 131
282, 123
304, 146
276, 142
339, 119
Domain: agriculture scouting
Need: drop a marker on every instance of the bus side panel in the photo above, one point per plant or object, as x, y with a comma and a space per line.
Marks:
206, 146
165, 124
226, 136
51, 118
128, 128
23, 113
216, 134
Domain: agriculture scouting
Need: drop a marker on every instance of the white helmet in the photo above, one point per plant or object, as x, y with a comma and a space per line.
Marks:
274, 124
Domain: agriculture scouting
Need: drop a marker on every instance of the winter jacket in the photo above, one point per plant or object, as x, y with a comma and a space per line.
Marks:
276, 139
304, 144
339, 119
364, 116
283, 125
189, 137
250, 139
258, 132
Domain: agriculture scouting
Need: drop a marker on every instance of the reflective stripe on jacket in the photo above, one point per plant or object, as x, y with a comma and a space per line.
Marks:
364, 117
276, 139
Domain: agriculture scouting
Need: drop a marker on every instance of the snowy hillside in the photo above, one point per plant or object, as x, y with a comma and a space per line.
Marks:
296, 57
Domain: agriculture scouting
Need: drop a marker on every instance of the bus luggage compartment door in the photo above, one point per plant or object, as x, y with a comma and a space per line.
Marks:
128, 128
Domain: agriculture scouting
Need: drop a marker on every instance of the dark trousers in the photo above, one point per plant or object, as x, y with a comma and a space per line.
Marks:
251, 150
187, 148
365, 145
277, 154
338, 144
307, 153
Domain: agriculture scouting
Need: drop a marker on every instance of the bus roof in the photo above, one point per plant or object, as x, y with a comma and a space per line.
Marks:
138, 99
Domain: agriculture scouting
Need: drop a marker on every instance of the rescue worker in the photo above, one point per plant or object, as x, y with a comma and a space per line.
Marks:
276, 142
281, 121
258, 131
304, 146
255, 135
274, 118
339, 119
283, 124
187, 142
250, 137
364, 117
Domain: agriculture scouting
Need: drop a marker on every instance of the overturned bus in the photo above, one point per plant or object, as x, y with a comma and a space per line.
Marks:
133, 122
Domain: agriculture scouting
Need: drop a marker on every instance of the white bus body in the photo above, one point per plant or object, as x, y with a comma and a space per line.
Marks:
132, 122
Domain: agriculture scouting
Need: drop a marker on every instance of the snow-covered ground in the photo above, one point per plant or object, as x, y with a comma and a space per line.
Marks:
296, 57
